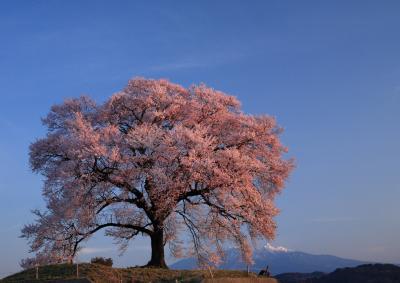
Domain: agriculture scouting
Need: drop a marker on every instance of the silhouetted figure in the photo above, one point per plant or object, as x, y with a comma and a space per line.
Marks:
265, 272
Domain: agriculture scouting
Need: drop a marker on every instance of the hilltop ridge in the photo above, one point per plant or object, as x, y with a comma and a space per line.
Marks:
99, 273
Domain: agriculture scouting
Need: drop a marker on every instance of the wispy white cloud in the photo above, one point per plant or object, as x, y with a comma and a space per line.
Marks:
93, 250
137, 248
333, 219
6, 123
178, 66
203, 61
272, 248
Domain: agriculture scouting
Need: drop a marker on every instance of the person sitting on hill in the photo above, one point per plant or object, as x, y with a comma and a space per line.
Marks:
265, 272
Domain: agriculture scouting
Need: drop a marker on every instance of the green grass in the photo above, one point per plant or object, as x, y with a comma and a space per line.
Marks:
100, 273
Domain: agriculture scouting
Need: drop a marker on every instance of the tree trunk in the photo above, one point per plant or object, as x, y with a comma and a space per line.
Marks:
157, 249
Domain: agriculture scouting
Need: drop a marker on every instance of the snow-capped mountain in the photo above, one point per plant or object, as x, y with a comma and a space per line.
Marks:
279, 260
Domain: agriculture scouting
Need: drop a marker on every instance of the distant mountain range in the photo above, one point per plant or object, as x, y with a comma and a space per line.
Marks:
279, 260
366, 273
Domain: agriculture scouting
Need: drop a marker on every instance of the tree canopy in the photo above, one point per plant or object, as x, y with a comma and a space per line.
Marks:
157, 159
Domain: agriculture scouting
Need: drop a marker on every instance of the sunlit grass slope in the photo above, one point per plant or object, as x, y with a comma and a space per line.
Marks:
101, 273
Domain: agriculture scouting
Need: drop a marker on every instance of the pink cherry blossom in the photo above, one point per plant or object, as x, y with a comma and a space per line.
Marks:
158, 160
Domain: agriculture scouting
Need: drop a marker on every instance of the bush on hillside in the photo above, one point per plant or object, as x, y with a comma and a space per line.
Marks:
102, 261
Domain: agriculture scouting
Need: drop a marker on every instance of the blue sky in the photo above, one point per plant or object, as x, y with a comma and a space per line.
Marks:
328, 70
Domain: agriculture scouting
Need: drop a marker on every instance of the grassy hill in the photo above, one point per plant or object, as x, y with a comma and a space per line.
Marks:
100, 273
366, 273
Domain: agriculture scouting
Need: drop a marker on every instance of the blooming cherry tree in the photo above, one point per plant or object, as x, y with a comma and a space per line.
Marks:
157, 159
